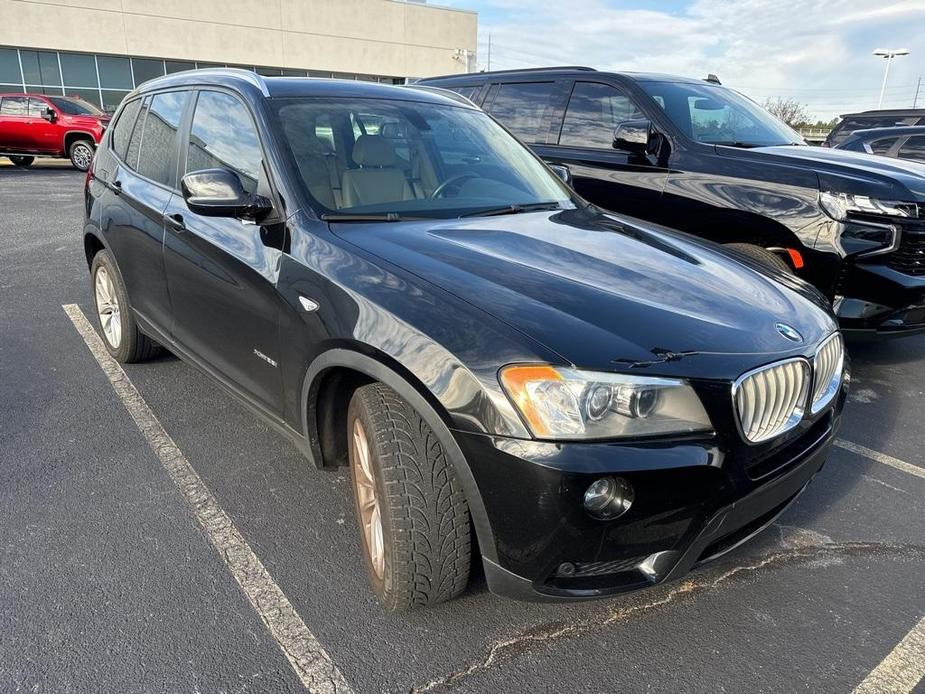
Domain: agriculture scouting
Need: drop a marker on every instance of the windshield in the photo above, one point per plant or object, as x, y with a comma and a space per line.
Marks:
717, 115
411, 159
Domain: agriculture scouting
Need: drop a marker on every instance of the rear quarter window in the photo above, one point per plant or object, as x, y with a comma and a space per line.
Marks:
122, 130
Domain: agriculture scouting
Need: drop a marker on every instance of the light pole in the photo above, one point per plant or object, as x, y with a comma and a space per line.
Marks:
888, 54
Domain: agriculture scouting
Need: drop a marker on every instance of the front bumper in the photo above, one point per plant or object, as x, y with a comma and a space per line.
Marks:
694, 501
884, 295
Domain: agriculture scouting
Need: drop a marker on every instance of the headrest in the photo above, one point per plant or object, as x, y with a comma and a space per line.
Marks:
373, 150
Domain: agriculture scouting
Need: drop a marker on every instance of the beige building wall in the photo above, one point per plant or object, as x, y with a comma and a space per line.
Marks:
376, 37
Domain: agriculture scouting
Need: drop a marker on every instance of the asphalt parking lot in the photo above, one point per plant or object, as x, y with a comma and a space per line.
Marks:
109, 581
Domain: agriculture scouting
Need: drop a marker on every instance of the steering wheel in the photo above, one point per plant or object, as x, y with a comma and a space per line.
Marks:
452, 180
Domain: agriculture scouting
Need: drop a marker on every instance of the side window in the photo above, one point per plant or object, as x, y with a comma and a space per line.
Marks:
134, 143
913, 149
594, 112
157, 157
524, 109
122, 130
37, 107
14, 106
883, 145
223, 136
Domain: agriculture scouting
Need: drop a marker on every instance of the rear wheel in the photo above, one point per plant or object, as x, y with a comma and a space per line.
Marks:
22, 161
123, 340
762, 255
81, 154
411, 509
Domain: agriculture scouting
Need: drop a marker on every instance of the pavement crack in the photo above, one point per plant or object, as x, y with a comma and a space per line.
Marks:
795, 554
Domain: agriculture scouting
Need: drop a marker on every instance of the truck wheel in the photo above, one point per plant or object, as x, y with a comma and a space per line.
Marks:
22, 162
762, 255
412, 512
81, 154
123, 340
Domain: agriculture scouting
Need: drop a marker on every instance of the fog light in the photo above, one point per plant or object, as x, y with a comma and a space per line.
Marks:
608, 497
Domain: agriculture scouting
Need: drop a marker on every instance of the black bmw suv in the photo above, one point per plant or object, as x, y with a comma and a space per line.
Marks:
702, 158
394, 282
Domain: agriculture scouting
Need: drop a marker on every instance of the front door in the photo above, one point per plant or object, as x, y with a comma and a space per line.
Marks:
626, 182
222, 271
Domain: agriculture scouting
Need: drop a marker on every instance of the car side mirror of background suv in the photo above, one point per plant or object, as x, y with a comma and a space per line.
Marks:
219, 193
633, 136
50, 115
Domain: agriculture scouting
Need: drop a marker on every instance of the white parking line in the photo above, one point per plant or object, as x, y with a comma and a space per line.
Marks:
902, 669
879, 457
307, 657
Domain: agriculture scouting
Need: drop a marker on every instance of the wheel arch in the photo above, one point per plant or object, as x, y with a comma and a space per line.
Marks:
72, 136
93, 243
328, 382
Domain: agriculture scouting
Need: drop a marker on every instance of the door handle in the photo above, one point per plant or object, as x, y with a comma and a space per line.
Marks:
175, 221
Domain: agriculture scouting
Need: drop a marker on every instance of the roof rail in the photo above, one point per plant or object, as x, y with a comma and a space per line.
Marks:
463, 75
248, 76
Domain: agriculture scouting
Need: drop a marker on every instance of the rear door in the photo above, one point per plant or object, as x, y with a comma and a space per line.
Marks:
140, 182
14, 123
583, 141
222, 271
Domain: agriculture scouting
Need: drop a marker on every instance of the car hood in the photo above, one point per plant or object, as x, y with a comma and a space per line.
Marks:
845, 171
86, 121
603, 291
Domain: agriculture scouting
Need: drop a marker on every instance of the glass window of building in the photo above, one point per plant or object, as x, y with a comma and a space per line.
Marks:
78, 70
178, 66
115, 73
146, 69
9, 69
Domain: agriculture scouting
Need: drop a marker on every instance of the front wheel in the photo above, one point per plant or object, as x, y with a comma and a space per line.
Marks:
123, 340
411, 509
81, 154
22, 162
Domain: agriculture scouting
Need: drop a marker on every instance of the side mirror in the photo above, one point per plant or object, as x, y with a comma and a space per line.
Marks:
563, 172
219, 193
49, 115
633, 136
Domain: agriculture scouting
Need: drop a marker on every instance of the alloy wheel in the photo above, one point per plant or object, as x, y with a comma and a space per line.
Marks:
367, 498
83, 156
107, 306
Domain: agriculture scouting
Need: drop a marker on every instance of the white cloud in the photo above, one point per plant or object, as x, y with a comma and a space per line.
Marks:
818, 52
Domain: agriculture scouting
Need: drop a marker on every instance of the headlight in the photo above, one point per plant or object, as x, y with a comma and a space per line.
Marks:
559, 403
838, 205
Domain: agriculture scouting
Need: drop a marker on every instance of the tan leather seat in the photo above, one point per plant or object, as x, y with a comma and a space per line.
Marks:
379, 178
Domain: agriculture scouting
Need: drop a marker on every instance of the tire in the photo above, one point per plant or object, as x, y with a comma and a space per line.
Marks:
22, 162
425, 535
118, 329
81, 154
762, 255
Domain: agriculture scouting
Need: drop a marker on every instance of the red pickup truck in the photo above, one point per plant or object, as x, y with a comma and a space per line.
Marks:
52, 126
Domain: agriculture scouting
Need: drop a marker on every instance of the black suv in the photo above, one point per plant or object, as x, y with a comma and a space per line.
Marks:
393, 281
702, 158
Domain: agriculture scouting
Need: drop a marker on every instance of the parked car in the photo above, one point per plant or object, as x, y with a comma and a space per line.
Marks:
866, 120
397, 284
34, 125
902, 143
699, 157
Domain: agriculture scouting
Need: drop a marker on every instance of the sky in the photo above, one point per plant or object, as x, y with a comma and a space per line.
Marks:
817, 52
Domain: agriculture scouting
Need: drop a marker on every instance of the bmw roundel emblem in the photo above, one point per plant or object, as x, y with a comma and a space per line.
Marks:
789, 332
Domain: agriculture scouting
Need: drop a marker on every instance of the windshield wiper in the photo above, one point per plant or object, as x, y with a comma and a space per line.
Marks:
514, 209
369, 217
